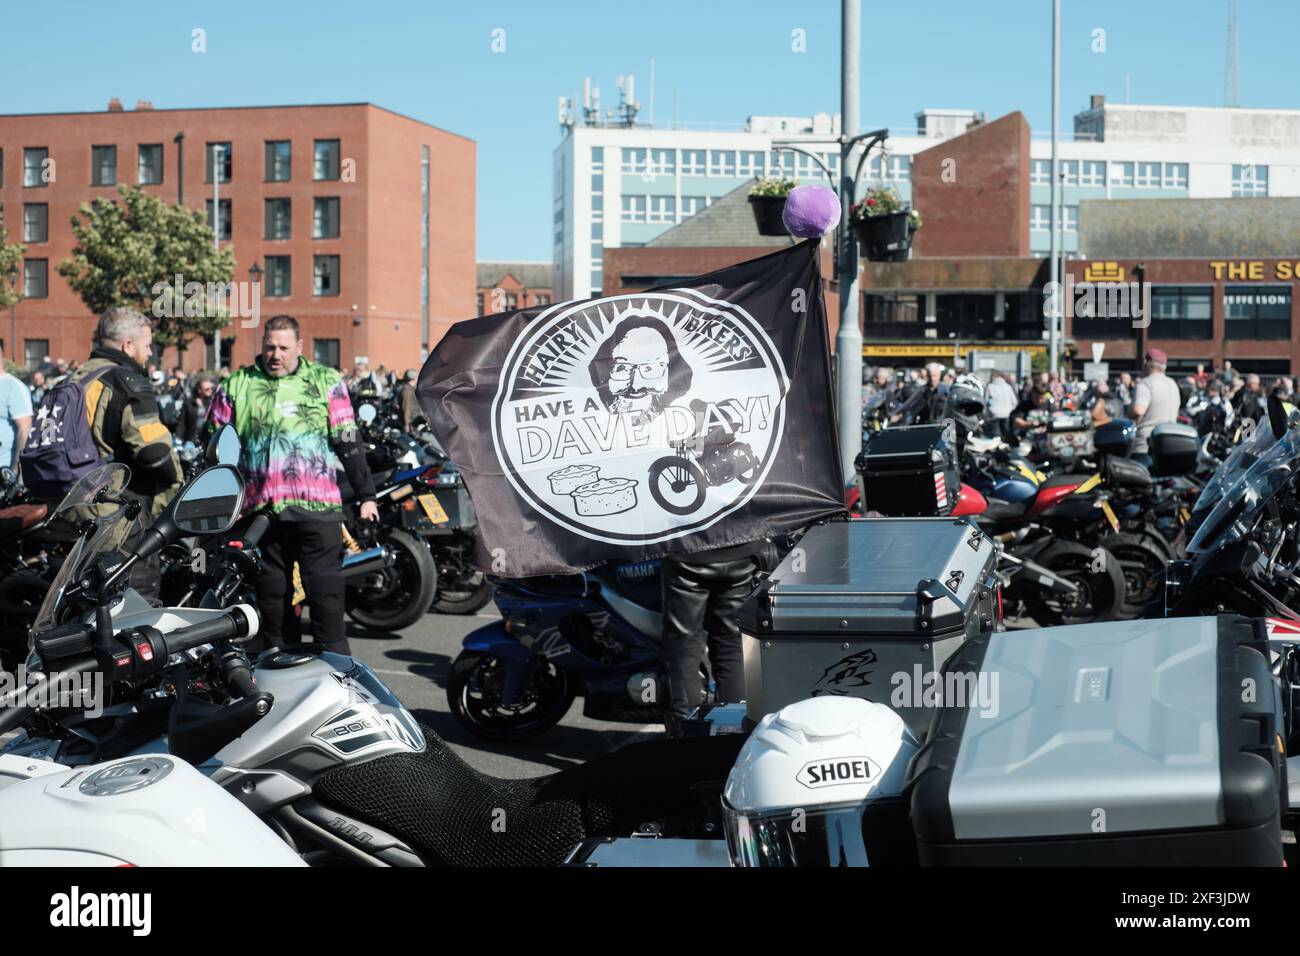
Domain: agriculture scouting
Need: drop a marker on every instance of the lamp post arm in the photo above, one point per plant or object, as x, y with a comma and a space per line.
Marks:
813, 156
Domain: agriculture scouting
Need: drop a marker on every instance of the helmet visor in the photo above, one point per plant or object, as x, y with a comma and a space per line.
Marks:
794, 836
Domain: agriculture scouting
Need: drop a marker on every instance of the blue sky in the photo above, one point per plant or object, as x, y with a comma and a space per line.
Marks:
724, 59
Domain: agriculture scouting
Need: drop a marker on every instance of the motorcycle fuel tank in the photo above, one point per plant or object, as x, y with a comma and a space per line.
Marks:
151, 810
328, 710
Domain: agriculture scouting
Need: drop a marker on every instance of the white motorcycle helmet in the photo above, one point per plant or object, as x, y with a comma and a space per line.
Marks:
798, 790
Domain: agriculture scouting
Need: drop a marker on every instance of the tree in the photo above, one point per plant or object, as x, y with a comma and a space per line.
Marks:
131, 253
11, 260
11, 264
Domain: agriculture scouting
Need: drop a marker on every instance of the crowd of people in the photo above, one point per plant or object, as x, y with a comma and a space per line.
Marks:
183, 398
1016, 409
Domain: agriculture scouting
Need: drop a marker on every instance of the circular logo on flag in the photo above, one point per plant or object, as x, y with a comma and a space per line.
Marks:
640, 418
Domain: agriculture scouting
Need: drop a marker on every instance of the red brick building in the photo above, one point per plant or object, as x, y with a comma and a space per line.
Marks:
331, 202
503, 286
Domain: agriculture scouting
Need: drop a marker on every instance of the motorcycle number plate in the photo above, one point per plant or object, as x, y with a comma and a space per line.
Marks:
1110, 516
433, 508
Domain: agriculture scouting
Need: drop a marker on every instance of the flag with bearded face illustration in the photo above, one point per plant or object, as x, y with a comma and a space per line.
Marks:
632, 426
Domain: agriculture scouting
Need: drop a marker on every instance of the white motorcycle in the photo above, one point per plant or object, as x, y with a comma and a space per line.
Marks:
145, 810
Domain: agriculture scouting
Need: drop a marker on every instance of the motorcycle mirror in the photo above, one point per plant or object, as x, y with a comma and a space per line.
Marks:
1276, 415
224, 447
211, 503
367, 413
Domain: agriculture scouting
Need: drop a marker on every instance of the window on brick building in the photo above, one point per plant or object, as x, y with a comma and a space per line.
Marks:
278, 277
103, 165
279, 158
325, 164
36, 222
149, 164
325, 218
35, 167
220, 225
221, 154
325, 352
279, 218
325, 272
36, 278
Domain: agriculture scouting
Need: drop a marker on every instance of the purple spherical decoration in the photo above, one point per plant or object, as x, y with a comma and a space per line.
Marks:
811, 211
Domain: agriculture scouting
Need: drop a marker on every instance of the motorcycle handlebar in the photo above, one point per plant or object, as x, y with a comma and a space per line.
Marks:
238, 621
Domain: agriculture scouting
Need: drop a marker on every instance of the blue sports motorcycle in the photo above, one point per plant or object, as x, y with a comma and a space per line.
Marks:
594, 634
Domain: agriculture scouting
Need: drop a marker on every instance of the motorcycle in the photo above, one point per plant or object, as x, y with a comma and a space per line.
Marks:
594, 634
31, 548
1244, 555
1056, 570
445, 516
314, 744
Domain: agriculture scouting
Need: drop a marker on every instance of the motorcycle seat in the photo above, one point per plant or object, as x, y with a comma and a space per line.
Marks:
1058, 481
450, 814
1000, 511
19, 518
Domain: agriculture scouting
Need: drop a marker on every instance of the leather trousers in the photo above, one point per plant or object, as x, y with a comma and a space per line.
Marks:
700, 606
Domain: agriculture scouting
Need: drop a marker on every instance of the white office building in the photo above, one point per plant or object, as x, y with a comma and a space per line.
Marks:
623, 186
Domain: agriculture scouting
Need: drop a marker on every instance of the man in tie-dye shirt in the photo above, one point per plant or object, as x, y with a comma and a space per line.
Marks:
293, 417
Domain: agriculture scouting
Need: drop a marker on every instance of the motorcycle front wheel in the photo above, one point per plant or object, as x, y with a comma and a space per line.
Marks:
474, 689
399, 595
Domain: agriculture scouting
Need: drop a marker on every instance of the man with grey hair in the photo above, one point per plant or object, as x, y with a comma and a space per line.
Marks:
1155, 402
123, 410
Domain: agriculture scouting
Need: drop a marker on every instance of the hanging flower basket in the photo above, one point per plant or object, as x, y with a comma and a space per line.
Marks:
767, 214
884, 226
767, 200
886, 238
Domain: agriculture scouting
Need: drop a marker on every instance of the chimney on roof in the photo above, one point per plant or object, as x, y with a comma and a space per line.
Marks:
143, 105
1098, 101
115, 105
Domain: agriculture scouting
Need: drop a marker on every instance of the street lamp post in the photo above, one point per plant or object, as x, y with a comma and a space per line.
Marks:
13, 313
848, 340
216, 232
255, 277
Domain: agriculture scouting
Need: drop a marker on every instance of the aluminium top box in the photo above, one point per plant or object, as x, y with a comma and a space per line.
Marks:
1130, 743
867, 608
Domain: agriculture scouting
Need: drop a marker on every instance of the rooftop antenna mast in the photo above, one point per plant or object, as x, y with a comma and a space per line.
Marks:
590, 103
628, 107
1231, 73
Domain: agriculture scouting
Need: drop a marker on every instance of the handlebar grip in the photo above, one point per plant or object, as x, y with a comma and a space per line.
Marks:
256, 529
240, 680
239, 621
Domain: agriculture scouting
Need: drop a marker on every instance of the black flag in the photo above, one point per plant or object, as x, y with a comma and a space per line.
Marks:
633, 426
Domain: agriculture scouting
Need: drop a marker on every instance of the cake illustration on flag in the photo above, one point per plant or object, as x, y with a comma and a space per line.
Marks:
608, 496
